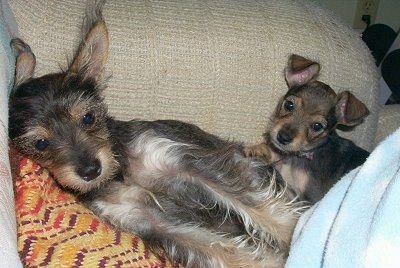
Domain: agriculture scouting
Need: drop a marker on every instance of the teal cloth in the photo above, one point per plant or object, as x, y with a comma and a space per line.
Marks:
357, 224
8, 232
7, 31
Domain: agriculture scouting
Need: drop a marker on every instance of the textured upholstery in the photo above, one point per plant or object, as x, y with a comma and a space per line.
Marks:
218, 64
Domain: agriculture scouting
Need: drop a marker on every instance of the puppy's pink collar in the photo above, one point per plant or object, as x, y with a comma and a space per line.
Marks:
310, 154
307, 155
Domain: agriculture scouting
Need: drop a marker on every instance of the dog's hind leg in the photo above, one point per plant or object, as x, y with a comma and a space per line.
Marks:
136, 210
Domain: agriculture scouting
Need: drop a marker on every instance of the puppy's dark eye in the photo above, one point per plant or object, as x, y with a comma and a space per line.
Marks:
317, 127
42, 144
288, 105
88, 119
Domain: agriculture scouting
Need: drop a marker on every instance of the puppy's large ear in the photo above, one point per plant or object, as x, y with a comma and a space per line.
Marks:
92, 53
25, 61
300, 71
349, 110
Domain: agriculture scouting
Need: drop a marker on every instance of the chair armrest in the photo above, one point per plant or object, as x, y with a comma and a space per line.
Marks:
388, 121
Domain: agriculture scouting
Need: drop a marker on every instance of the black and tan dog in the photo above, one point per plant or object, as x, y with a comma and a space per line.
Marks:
181, 189
302, 142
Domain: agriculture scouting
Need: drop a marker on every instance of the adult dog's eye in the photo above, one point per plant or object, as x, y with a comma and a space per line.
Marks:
42, 144
317, 126
88, 119
288, 105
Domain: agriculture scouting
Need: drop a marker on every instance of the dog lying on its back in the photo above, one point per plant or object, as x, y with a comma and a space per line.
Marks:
302, 142
181, 189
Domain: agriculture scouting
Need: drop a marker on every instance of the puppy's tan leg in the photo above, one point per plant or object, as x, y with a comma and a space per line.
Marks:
257, 150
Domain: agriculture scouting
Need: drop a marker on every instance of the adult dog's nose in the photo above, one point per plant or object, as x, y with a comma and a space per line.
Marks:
90, 171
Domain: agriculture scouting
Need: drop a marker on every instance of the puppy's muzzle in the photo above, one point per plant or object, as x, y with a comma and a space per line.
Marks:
284, 138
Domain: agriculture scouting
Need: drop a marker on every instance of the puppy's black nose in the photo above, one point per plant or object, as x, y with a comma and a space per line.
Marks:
90, 171
284, 138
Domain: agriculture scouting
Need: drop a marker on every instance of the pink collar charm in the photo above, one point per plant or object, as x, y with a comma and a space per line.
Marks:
308, 155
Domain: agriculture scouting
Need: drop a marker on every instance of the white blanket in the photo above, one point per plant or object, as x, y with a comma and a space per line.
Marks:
357, 224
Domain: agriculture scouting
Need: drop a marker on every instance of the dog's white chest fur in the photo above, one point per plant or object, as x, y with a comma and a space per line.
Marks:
297, 178
152, 157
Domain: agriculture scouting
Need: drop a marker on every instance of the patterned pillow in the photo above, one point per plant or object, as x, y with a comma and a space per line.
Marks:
55, 230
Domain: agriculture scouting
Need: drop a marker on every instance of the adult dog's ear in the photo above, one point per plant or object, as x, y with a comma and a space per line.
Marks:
25, 61
300, 71
350, 111
92, 54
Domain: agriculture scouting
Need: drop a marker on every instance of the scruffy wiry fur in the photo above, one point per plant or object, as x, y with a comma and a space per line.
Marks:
184, 191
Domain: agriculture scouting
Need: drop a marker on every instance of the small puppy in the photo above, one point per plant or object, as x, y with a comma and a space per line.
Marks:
302, 142
184, 191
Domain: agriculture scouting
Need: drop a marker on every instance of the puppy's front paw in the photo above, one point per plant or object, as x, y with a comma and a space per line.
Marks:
258, 150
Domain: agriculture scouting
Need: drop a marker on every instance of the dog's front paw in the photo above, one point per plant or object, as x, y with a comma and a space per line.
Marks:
258, 150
